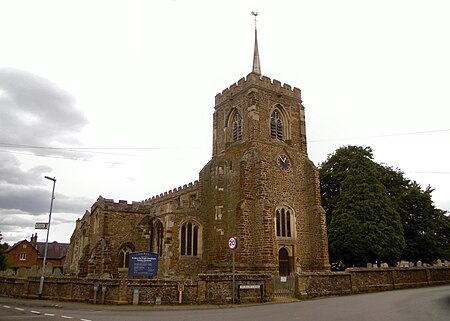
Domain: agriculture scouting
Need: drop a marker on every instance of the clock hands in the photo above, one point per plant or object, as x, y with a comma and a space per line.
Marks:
283, 161
283, 158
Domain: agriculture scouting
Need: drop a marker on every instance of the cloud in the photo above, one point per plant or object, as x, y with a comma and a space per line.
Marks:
21, 206
35, 112
35, 200
11, 173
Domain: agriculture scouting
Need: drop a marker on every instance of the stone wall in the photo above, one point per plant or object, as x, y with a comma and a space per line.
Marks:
217, 288
362, 280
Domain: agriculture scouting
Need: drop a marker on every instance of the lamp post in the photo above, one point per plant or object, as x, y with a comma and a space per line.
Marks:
41, 284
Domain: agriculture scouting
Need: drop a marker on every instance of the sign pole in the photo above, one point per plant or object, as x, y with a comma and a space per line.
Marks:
232, 245
41, 283
233, 273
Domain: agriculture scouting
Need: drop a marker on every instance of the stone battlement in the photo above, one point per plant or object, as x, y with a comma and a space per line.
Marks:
260, 81
121, 205
170, 194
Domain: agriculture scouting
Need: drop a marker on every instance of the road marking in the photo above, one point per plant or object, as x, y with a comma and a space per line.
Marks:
49, 314
85, 320
7, 306
66, 317
20, 309
35, 312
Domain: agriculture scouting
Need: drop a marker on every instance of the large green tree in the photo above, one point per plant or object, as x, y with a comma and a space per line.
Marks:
364, 225
352, 197
427, 229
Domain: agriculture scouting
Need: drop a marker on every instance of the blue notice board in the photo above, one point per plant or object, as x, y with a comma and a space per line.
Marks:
143, 264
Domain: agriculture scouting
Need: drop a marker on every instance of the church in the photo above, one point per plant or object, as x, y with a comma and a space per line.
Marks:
259, 187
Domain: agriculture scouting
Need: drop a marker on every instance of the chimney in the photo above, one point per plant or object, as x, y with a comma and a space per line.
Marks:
34, 239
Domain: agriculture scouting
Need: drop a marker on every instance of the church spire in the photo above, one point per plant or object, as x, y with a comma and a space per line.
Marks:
256, 64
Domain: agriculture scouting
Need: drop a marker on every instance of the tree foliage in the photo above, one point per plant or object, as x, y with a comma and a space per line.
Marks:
3, 259
375, 213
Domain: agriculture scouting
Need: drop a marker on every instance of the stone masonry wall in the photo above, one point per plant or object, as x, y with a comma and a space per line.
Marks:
217, 288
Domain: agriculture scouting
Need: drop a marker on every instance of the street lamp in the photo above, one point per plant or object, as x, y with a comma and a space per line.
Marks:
41, 284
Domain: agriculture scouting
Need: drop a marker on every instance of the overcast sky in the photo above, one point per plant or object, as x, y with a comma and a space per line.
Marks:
115, 98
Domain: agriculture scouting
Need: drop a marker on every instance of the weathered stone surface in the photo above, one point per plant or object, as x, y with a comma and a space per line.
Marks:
253, 174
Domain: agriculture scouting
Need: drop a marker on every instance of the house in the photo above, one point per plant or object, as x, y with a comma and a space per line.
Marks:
31, 253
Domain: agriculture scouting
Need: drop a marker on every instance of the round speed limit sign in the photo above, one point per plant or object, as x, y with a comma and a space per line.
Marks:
232, 243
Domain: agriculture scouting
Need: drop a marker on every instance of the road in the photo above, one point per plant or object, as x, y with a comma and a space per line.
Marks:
421, 304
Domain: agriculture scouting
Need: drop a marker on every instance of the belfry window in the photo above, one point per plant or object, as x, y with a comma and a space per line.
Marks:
189, 239
283, 222
236, 127
276, 125
123, 257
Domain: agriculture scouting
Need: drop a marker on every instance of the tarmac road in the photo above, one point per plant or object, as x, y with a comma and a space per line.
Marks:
420, 304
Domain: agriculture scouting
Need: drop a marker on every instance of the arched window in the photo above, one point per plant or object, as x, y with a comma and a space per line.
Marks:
236, 133
157, 238
276, 125
123, 257
189, 239
283, 222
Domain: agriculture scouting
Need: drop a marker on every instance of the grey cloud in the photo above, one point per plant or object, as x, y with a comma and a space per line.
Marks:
34, 111
11, 173
13, 227
10, 222
36, 200
27, 192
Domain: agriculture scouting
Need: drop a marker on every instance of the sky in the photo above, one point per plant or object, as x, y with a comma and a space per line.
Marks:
115, 98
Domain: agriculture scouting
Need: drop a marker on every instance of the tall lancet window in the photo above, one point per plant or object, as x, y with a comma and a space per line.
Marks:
159, 238
237, 127
283, 222
123, 256
190, 239
276, 125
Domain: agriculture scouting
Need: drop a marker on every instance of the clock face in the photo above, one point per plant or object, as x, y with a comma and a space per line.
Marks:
283, 162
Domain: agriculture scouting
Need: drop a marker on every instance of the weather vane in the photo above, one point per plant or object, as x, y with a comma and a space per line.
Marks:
255, 14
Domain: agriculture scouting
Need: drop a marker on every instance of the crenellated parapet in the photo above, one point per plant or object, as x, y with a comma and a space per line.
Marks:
181, 190
107, 204
253, 79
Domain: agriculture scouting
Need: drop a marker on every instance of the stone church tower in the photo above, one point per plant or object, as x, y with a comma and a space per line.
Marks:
259, 186
260, 183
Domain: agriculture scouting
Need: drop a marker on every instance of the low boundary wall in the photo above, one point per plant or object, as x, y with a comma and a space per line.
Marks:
209, 288
217, 288
361, 280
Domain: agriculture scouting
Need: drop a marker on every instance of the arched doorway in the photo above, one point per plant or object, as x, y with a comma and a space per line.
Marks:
283, 262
